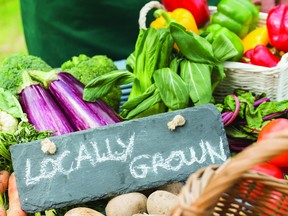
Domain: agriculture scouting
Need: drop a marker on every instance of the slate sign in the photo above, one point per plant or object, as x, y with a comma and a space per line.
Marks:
124, 157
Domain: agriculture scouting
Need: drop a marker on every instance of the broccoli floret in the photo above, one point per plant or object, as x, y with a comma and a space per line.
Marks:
12, 66
86, 68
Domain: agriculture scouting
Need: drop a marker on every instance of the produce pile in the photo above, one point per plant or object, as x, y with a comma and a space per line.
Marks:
177, 63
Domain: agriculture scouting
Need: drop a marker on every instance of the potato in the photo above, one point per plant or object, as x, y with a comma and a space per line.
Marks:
147, 215
174, 188
126, 204
161, 202
83, 211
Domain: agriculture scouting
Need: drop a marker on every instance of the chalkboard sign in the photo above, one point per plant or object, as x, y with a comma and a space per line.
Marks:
128, 156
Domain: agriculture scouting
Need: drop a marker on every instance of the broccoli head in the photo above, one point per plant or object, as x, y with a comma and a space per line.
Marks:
11, 69
86, 68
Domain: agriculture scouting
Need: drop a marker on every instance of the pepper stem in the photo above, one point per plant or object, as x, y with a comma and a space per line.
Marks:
161, 12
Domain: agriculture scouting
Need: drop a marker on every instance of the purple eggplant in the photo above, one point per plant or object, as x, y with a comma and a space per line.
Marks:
41, 109
68, 93
100, 108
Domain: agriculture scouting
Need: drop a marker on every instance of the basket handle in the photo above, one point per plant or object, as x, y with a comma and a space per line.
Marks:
230, 172
144, 11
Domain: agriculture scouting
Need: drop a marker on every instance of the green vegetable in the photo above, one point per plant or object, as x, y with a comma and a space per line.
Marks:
85, 69
254, 113
164, 79
202, 65
10, 112
24, 133
11, 69
239, 16
152, 51
215, 30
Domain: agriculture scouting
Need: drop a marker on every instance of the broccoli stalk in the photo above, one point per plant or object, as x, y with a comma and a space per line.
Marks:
11, 69
86, 68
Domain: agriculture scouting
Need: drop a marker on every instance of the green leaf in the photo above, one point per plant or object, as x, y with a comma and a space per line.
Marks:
132, 103
173, 90
198, 78
100, 86
143, 106
223, 48
271, 107
218, 74
10, 104
130, 62
153, 50
175, 64
239, 133
192, 46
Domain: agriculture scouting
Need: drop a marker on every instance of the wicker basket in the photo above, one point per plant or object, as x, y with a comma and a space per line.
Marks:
232, 189
257, 79
272, 81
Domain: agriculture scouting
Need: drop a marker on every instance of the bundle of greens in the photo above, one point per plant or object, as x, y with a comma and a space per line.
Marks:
165, 78
244, 114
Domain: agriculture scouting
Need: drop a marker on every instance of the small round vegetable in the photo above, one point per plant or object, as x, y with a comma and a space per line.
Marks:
269, 129
126, 204
83, 211
161, 202
147, 215
174, 188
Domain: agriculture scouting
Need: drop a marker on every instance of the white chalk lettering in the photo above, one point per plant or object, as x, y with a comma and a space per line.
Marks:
49, 167
84, 155
212, 153
56, 166
141, 165
143, 168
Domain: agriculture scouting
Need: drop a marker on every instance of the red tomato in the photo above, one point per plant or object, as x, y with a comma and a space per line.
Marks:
270, 128
269, 169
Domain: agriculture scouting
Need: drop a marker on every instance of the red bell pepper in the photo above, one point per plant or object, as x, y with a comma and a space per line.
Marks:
260, 55
269, 169
198, 8
277, 25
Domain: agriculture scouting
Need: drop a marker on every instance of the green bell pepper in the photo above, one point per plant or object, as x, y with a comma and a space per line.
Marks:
214, 30
239, 16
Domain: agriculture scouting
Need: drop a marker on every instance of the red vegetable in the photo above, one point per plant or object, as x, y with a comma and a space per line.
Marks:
41, 109
267, 131
277, 25
269, 169
198, 8
262, 56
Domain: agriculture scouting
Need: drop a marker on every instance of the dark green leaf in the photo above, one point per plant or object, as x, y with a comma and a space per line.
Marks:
218, 74
175, 64
192, 46
239, 133
100, 86
145, 105
130, 62
135, 101
173, 90
198, 78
